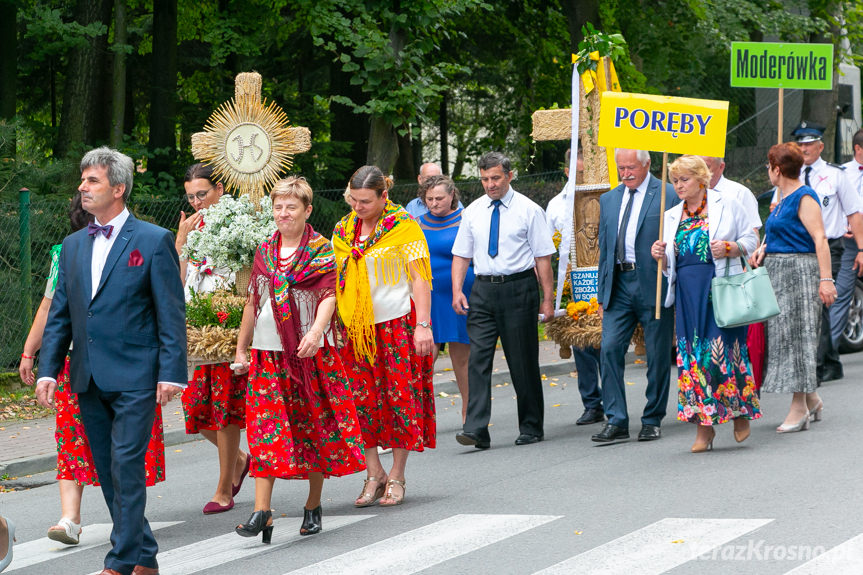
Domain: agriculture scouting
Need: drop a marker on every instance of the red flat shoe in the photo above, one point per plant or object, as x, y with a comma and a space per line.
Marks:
212, 507
236, 488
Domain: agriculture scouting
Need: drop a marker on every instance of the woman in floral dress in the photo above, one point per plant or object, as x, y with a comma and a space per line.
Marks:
214, 402
75, 466
301, 422
384, 300
703, 234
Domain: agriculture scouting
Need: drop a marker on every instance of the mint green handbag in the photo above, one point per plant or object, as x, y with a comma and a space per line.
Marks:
744, 298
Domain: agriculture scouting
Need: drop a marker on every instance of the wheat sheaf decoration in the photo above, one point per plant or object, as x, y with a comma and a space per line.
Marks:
248, 141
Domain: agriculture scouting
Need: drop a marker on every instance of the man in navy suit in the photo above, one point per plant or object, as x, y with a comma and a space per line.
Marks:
628, 226
119, 301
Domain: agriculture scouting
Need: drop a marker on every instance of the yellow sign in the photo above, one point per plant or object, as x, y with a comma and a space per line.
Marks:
663, 124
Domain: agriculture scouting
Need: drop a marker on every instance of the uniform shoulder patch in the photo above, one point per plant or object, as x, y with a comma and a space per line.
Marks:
840, 166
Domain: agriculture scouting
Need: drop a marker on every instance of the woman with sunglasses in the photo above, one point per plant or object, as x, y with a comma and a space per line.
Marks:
214, 403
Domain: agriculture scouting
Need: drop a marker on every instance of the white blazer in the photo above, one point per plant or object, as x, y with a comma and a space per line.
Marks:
727, 221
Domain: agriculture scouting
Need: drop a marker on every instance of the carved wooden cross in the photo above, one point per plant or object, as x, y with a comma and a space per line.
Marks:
248, 142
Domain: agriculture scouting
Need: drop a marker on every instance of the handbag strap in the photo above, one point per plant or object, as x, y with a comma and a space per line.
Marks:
746, 267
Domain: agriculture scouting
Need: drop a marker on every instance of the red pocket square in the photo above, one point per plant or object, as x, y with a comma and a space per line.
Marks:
136, 259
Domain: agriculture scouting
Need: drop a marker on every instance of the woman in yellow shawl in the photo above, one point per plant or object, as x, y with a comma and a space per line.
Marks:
384, 301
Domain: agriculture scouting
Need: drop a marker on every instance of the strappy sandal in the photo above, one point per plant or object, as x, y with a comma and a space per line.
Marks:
389, 495
69, 532
367, 498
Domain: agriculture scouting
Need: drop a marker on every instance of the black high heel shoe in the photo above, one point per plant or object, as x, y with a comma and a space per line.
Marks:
311, 521
257, 524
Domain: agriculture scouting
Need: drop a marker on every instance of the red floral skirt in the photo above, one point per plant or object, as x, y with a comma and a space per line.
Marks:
74, 459
291, 434
215, 398
394, 395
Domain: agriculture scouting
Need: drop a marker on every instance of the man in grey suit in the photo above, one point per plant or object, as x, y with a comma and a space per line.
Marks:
628, 226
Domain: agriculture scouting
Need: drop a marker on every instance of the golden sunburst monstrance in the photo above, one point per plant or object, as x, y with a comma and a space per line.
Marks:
248, 142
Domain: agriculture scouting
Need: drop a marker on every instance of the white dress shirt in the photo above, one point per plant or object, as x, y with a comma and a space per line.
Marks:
632, 226
836, 194
102, 247
743, 195
523, 235
854, 171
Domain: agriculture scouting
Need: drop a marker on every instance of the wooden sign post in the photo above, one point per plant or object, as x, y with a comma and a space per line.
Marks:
663, 124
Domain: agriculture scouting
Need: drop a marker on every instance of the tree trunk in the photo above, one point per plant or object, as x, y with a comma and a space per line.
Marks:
404, 169
164, 87
8, 67
118, 96
444, 134
819, 106
347, 125
578, 13
383, 150
84, 80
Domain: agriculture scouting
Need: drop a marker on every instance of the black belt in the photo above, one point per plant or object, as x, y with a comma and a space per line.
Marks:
625, 267
509, 278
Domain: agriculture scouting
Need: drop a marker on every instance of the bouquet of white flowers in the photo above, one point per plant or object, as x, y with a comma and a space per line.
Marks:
232, 232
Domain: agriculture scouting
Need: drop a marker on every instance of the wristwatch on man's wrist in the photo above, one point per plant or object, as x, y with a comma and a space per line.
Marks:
426, 324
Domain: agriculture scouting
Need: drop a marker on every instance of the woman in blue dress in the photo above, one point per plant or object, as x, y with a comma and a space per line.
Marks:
440, 225
703, 234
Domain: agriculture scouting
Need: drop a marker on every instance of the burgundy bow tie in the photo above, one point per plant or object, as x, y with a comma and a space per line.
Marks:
860, 168
94, 229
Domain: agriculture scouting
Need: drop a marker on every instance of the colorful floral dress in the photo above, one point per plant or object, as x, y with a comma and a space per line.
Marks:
715, 381
300, 414
215, 396
74, 459
392, 385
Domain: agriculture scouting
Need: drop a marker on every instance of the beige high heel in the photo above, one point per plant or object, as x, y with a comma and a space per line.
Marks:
801, 425
743, 434
398, 500
707, 446
368, 498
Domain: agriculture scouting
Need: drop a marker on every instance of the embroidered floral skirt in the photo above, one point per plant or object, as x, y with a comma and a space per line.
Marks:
394, 395
715, 382
74, 459
291, 434
214, 399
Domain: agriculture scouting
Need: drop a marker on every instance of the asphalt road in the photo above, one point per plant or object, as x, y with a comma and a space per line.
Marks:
775, 504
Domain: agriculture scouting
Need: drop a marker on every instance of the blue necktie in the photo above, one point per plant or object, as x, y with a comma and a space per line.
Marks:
94, 229
494, 230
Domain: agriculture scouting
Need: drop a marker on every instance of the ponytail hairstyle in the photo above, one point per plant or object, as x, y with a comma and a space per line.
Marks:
371, 178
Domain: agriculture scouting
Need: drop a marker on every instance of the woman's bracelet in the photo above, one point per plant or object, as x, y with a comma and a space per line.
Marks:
828, 280
25, 356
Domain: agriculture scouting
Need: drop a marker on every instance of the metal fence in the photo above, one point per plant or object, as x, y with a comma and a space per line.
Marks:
30, 227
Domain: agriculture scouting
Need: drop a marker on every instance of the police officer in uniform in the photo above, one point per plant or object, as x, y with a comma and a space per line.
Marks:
841, 208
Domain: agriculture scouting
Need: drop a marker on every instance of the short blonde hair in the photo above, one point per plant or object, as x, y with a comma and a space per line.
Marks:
293, 187
692, 165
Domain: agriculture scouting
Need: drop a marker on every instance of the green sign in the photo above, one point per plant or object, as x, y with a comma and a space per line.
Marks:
778, 65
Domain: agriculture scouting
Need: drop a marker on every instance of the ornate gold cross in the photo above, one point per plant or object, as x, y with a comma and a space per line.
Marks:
249, 142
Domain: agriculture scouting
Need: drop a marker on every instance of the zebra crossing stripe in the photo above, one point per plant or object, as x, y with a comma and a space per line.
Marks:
655, 549
427, 546
223, 549
41, 550
846, 557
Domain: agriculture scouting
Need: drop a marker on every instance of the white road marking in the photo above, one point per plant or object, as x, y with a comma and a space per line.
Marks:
656, 548
844, 558
427, 546
41, 550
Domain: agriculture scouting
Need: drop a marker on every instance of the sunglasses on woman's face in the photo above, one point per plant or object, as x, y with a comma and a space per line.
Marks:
200, 196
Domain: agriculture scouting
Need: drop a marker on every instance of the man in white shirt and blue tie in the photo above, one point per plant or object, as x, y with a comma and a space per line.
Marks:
507, 237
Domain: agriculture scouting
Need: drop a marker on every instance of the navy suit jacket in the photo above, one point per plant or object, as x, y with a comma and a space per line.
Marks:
132, 334
646, 233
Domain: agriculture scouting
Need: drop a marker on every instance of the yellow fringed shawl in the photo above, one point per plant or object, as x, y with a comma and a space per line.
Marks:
396, 243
